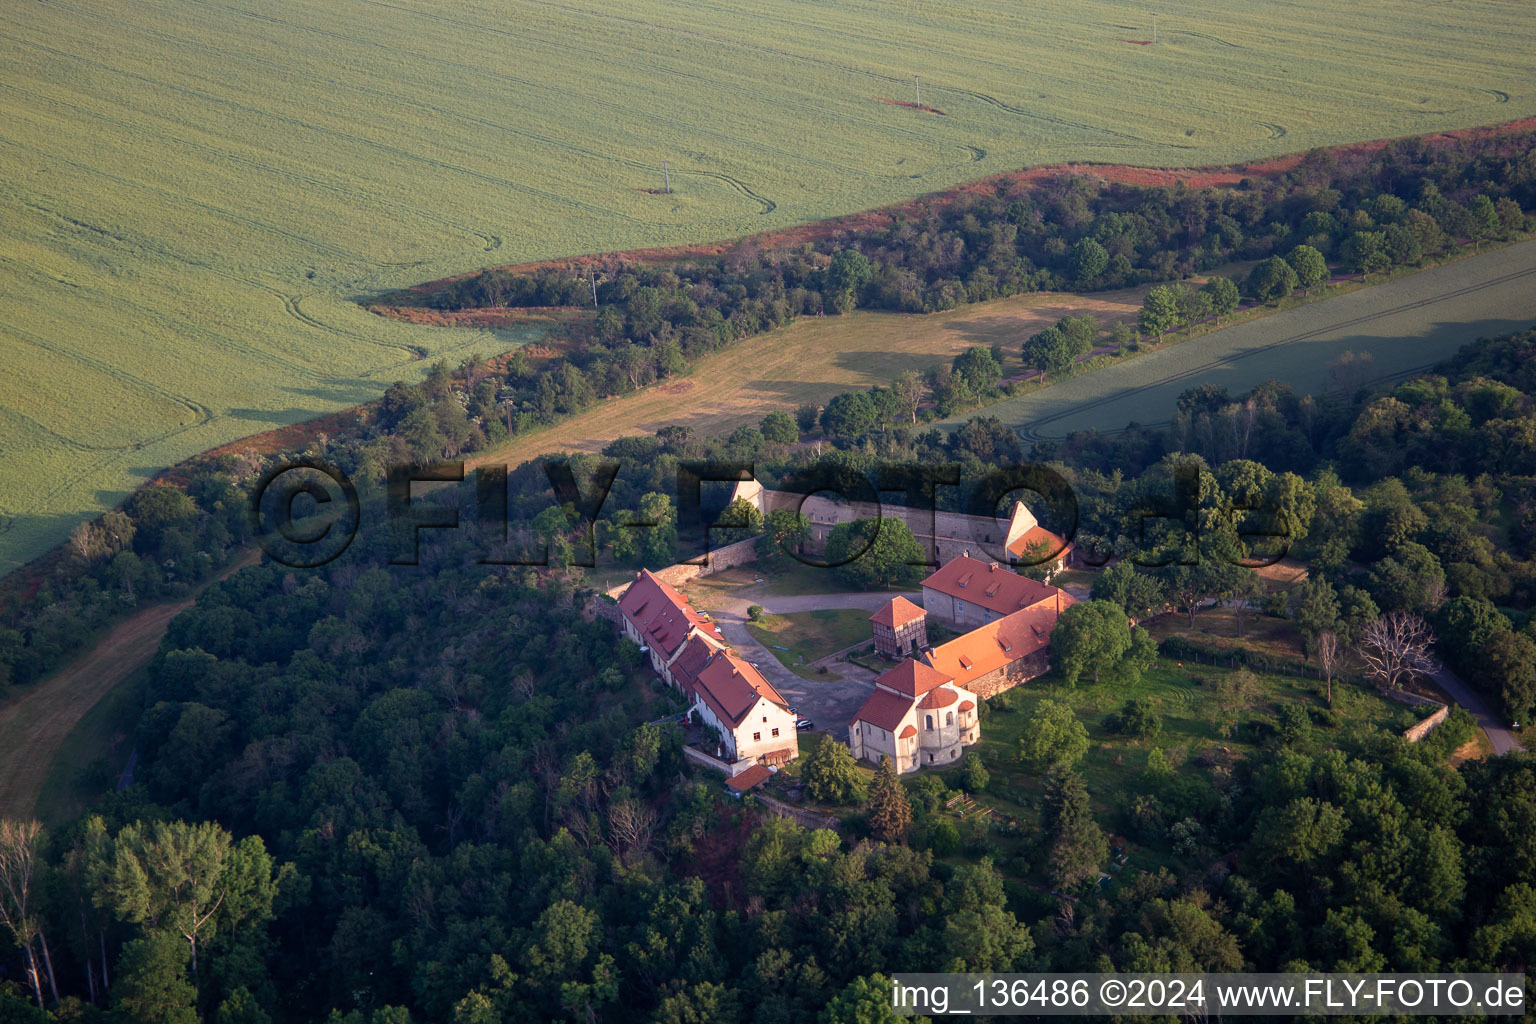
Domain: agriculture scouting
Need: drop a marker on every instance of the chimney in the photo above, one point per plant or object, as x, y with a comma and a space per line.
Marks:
992, 567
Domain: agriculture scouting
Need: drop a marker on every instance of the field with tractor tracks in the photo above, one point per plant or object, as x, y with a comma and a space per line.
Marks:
196, 194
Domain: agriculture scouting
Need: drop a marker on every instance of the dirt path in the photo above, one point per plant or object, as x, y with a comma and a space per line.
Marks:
35, 722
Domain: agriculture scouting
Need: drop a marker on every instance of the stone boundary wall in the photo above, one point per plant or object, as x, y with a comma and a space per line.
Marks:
607, 609
729, 557
809, 819
948, 534
1424, 728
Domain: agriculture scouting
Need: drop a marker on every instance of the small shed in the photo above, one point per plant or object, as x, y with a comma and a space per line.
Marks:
748, 780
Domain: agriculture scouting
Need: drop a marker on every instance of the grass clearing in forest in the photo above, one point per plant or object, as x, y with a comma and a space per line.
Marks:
195, 195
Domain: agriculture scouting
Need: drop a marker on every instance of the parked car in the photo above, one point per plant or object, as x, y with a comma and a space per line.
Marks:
804, 723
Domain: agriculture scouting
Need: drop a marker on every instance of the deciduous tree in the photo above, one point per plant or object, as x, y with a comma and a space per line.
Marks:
1271, 280
19, 843
874, 552
1052, 738
1311, 269
1089, 637
1159, 312
831, 775
1395, 647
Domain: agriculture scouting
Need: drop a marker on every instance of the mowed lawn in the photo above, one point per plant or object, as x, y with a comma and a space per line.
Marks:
195, 195
799, 638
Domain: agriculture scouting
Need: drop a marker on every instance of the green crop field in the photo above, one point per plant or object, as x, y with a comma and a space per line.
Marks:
194, 194
1405, 325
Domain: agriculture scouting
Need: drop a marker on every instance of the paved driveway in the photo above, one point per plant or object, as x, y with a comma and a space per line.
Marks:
1502, 738
831, 704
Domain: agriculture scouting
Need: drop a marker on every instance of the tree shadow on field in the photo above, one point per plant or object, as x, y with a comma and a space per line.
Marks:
894, 363
781, 395
1009, 330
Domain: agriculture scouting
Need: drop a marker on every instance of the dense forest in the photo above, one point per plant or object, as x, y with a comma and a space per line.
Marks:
428, 793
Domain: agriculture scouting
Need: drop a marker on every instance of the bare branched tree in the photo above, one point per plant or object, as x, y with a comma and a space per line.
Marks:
631, 827
1328, 658
1395, 647
18, 857
909, 391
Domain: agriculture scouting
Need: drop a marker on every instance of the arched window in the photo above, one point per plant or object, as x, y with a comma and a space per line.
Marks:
930, 721
949, 719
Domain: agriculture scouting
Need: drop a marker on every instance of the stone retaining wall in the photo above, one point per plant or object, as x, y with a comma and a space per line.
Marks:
1427, 726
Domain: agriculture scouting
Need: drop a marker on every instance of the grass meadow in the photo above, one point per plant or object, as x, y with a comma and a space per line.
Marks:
1407, 325
810, 636
194, 195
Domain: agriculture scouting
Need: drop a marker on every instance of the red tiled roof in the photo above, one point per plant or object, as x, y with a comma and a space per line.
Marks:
988, 584
909, 732
696, 654
940, 698
661, 614
749, 779
731, 687
884, 710
967, 705
988, 648
897, 612
1055, 544
911, 678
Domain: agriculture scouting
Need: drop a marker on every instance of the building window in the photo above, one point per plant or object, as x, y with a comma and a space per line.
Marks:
775, 732
949, 719
757, 736
930, 721
765, 718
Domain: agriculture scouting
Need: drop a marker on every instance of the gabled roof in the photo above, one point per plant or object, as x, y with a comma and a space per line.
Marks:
695, 655
751, 778
732, 687
1054, 543
988, 584
898, 611
884, 710
911, 678
990, 647
661, 614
